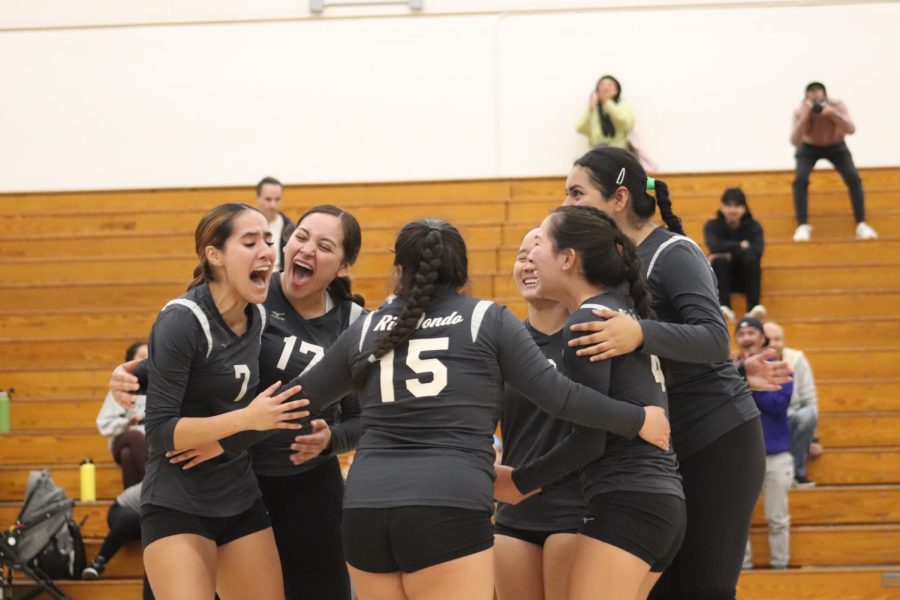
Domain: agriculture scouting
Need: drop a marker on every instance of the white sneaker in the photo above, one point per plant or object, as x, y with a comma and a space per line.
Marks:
759, 312
801, 234
727, 313
863, 232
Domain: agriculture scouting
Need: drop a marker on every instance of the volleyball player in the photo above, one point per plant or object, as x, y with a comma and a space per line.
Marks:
308, 306
715, 423
206, 530
430, 367
636, 513
535, 539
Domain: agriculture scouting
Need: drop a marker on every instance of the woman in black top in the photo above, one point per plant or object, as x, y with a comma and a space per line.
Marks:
635, 519
534, 540
310, 304
206, 530
715, 423
735, 242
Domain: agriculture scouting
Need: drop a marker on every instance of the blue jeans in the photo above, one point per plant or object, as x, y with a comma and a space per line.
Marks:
803, 430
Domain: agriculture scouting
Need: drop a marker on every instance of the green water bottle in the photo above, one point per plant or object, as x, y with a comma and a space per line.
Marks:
4, 411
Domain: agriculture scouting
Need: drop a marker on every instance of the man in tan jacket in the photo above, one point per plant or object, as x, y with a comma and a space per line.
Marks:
820, 124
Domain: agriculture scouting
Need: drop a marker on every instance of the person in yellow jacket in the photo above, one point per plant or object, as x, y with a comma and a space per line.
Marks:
608, 119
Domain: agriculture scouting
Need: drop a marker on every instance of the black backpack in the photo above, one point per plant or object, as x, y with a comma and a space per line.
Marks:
64, 557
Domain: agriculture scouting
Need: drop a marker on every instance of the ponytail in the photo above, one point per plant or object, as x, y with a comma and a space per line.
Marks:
672, 221
340, 288
637, 286
202, 274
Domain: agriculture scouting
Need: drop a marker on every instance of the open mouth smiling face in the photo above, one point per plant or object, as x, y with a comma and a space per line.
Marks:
524, 272
314, 256
250, 258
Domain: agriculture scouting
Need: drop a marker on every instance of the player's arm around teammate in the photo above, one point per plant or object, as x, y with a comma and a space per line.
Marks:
534, 540
206, 531
635, 519
715, 423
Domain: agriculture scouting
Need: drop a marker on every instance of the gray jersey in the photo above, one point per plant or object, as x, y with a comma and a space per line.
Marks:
429, 408
290, 346
707, 396
198, 367
610, 463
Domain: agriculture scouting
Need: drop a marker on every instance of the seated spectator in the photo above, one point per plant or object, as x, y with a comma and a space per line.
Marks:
124, 426
803, 413
820, 124
773, 406
268, 199
124, 520
735, 241
607, 119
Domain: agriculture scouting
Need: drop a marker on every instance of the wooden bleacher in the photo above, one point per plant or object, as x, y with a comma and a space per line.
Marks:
83, 274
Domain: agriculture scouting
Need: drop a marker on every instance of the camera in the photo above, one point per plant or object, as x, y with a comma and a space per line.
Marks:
818, 105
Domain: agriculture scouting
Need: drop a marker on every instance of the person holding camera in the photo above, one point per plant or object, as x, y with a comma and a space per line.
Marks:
820, 124
608, 119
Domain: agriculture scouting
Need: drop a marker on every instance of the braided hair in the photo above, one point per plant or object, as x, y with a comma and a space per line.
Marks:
431, 257
608, 258
610, 168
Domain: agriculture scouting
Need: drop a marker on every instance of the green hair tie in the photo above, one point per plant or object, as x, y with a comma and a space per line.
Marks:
651, 184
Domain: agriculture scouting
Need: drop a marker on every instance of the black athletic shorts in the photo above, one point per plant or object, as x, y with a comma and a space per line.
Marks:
532, 536
650, 526
158, 522
410, 538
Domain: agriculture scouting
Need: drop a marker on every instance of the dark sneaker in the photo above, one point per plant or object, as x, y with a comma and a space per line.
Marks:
93, 571
803, 482
90, 573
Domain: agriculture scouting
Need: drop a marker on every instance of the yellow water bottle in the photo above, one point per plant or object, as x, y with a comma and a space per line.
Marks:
88, 481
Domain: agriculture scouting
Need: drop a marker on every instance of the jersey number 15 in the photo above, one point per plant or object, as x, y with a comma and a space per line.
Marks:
418, 365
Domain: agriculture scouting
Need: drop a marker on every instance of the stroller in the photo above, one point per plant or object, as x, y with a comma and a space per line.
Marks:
45, 511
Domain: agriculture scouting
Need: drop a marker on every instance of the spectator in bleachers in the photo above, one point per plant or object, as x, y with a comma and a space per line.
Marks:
803, 413
608, 119
124, 426
773, 406
268, 199
124, 522
735, 241
820, 124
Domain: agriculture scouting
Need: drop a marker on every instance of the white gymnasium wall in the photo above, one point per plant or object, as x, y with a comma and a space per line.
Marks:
163, 93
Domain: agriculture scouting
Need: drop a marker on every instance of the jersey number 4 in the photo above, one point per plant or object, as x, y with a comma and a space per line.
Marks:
656, 368
418, 365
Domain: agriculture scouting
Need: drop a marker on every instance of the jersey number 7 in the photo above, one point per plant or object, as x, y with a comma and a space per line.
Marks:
418, 365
